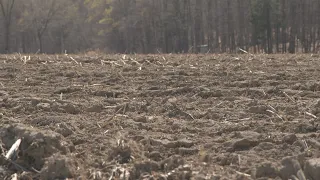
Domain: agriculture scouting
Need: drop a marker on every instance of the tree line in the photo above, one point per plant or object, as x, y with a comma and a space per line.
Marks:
160, 26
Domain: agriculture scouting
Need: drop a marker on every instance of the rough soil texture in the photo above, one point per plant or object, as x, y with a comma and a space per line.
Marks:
160, 116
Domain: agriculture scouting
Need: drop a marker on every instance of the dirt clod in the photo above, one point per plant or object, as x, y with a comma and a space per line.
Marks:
312, 168
290, 166
290, 138
266, 170
243, 144
95, 108
60, 167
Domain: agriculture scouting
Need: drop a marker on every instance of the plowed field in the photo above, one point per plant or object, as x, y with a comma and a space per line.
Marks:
160, 116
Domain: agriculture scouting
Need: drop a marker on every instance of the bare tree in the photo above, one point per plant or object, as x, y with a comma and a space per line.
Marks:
7, 9
39, 14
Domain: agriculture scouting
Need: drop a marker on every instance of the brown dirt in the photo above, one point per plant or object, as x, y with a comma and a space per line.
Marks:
160, 116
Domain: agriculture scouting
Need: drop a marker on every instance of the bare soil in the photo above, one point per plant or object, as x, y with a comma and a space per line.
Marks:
160, 116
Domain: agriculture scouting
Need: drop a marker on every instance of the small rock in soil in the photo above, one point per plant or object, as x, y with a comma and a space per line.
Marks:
243, 144
290, 167
44, 106
312, 168
290, 138
34, 101
266, 170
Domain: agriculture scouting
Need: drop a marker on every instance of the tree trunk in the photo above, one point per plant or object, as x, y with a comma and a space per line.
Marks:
269, 30
23, 37
7, 37
241, 24
293, 33
6, 10
62, 47
277, 38
217, 27
292, 43
284, 39
197, 25
230, 28
40, 42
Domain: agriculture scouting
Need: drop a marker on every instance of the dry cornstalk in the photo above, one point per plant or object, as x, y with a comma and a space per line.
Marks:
24, 59
239, 120
305, 144
290, 98
273, 109
246, 52
276, 114
243, 174
114, 114
1, 149
116, 64
133, 60
13, 149
74, 60
124, 108
103, 62
190, 115
309, 114
95, 174
123, 62
14, 176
